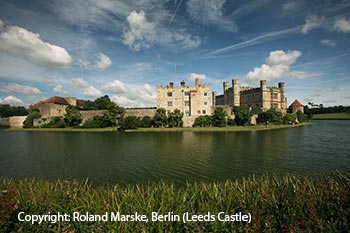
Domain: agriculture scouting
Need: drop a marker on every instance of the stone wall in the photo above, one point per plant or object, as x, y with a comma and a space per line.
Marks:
86, 115
141, 112
14, 121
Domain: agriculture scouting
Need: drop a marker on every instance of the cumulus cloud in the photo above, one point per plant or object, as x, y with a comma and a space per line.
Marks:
116, 87
48, 79
59, 89
103, 63
92, 92
210, 13
19, 89
312, 22
27, 45
327, 42
342, 25
79, 83
89, 90
277, 66
131, 95
193, 77
12, 100
140, 33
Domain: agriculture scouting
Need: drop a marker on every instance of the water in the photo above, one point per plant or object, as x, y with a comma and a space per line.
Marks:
114, 157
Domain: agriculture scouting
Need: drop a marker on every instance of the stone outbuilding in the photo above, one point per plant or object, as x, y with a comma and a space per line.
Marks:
296, 106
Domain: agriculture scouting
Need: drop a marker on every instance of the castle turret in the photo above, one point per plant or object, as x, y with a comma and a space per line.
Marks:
226, 95
264, 96
236, 92
213, 96
283, 97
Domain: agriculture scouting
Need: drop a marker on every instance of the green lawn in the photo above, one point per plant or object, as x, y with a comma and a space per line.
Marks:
228, 128
276, 204
332, 116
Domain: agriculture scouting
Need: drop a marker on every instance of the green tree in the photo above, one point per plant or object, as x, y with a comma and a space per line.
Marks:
270, 116
33, 114
7, 111
72, 117
219, 117
55, 122
301, 116
289, 118
175, 118
203, 121
160, 119
146, 122
129, 122
242, 115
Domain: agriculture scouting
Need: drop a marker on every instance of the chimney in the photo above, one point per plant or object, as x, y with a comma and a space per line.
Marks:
182, 83
171, 84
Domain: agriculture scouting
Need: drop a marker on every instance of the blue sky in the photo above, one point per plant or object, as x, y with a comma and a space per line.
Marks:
87, 48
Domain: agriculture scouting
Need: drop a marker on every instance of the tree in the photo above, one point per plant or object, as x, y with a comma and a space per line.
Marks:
289, 118
72, 117
129, 122
146, 122
33, 114
175, 118
270, 116
7, 111
203, 121
219, 117
301, 116
160, 119
242, 115
55, 122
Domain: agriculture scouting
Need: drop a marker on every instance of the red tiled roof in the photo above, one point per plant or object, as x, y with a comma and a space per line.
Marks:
56, 100
296, 103
80, 103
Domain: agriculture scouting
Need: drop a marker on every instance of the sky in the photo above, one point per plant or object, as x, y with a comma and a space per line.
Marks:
124, 49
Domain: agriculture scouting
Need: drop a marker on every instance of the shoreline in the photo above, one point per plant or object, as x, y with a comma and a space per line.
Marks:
190, 129
221, 129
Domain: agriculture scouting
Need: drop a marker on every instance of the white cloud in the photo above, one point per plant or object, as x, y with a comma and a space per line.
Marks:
59, 89
342, 25
116, 87
312, 22
2, 24
193, 77
103, 63
327, 42
12, 100
48, 79
131, 95
140, 33
92, 92
79, 83
277, 66
19, 42
292, 8
210, 13
19, 89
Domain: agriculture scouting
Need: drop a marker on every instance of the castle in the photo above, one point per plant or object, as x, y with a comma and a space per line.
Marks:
193, 101
262, 97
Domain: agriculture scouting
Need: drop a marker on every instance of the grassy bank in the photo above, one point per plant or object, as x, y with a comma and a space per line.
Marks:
227, 128
287, 204
65, 129
332, 116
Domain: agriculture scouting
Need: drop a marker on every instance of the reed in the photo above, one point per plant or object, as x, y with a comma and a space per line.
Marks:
277, 204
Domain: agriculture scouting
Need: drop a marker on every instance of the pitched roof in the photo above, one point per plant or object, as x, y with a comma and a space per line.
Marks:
296, 103
56, 100
80, 103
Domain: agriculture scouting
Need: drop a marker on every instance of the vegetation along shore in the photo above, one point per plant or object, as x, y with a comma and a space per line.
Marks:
276, 204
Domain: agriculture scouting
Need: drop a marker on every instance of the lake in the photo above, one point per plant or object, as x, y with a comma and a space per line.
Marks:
135, 157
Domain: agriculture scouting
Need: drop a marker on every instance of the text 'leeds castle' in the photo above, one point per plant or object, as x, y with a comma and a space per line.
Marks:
194, 101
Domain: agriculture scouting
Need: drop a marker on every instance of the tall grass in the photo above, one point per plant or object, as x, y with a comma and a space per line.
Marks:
277, 204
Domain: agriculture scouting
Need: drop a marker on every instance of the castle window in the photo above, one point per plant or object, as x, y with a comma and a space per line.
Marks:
275, 106
204, 112
274, 95
205, 93
187, 93
187, 103
170, 94
170, 103
205, 103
